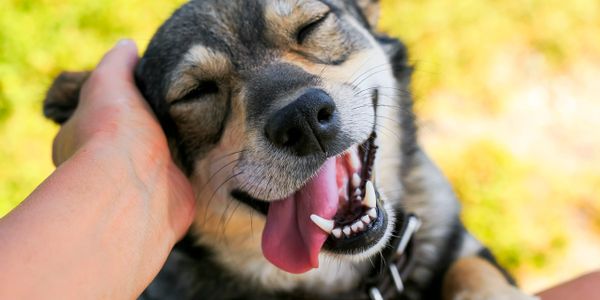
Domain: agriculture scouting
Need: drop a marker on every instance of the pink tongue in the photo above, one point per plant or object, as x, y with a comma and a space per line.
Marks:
291, 241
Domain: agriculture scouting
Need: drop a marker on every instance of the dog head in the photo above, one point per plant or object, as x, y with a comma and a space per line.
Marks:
285, 116
274, 108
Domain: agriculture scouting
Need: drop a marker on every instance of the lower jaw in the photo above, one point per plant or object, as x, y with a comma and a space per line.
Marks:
363, 242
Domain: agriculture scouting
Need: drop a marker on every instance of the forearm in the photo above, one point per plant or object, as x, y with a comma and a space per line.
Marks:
60, 248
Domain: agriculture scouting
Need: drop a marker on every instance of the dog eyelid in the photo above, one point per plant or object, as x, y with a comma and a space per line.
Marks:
305, 30
199, 91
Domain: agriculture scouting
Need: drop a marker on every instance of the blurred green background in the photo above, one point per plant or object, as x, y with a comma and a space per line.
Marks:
506, 92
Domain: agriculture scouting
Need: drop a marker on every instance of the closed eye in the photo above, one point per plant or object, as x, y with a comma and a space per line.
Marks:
305, 31
201, 90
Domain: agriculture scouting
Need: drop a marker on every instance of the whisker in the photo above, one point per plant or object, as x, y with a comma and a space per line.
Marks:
399, 89
230, 217
389, 131
351, 77
371, 75
352, 82
215, 192
210, 180
227, 155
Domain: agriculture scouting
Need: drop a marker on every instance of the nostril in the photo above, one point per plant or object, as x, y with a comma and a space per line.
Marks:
291, 137
324, 116
307, 126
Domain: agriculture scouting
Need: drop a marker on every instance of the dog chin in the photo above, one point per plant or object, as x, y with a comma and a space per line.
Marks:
367, 253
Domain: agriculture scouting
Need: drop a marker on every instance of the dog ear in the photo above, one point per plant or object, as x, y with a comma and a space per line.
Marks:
63, 96
370, 9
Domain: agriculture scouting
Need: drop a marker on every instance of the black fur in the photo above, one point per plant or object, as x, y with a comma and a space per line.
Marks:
486, 254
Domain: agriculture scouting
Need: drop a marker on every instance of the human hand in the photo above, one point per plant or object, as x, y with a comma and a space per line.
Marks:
103, 224
112, 120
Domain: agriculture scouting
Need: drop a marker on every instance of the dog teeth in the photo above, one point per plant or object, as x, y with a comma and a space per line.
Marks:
366, 219
354, 160
337, 233
360, 226
347, 231
372, 213
370, 196
324, 224
354, 227
356, 180
358, 192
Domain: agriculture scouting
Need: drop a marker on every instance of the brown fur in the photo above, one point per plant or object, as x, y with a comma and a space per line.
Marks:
473, 278
62, 97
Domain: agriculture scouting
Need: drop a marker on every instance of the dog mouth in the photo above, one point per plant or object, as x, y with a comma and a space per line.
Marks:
338, 210
359, 222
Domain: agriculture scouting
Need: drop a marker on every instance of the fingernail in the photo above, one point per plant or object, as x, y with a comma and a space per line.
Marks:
124, 42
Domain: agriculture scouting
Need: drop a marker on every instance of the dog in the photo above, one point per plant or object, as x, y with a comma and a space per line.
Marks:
293, 120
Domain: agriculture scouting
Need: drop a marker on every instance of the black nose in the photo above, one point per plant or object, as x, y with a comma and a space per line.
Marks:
307, 126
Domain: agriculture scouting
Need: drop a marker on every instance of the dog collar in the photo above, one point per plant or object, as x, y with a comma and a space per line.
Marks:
387, 276
392, 268
386, 279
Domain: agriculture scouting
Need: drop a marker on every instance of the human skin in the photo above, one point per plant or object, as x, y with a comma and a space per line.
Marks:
585, 287
102, 225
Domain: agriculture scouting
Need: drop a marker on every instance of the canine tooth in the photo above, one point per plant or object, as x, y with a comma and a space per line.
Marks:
374, 174
347, 230
366, 219
324, 224
337, 233
354, 160
372, 213
370, 196
356, 180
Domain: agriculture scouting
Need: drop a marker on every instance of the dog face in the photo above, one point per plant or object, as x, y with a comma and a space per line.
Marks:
274, 108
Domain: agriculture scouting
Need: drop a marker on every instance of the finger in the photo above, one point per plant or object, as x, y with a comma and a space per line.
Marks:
113, 77
120, 61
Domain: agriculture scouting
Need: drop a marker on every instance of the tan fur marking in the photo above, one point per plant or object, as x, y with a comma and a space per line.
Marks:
300, 61
199, 63
284, 17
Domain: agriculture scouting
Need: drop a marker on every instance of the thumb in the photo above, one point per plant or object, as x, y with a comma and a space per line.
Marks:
113, 76
120, 60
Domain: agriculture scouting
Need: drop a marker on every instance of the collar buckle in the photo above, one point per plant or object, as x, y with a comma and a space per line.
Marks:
412, 226
375, 294
399, 262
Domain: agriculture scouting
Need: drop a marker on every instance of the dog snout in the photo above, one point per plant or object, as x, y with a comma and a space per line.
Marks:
307, 126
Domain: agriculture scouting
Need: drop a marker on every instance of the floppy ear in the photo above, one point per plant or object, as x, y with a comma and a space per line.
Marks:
370, 9
63, 96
